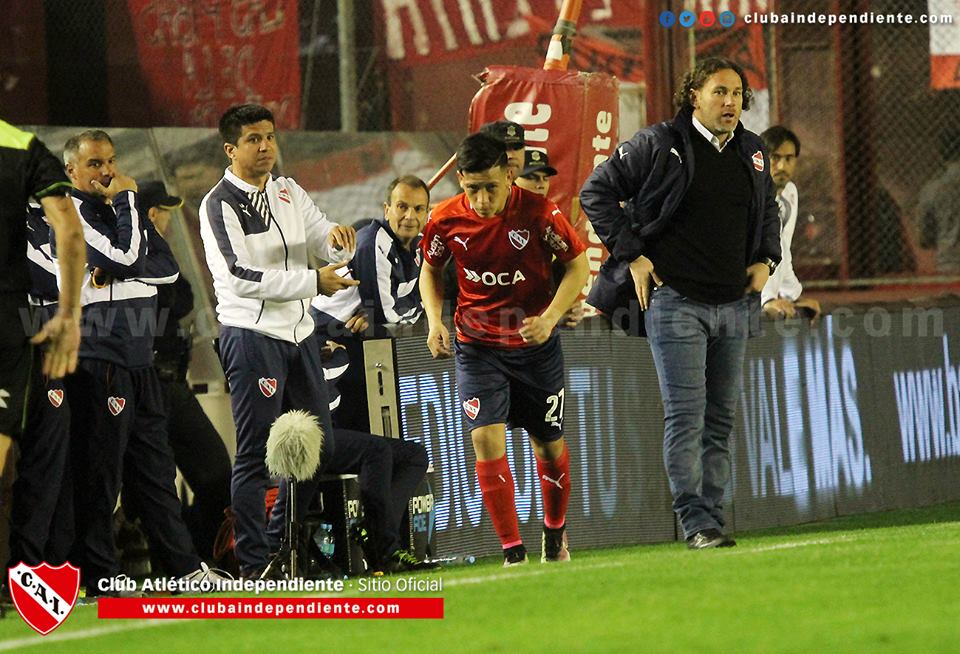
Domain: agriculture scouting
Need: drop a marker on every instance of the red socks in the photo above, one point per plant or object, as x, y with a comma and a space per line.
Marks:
496, 483
555, 484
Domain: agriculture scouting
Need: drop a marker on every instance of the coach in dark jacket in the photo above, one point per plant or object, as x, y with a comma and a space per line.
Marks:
694, 241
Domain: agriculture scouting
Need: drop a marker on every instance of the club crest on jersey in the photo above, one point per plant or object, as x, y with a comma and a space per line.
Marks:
116, 404
55, 395
472, 407
519, 238
268, 386
44, 595
437, 247
284, 195
554, 241
758, 160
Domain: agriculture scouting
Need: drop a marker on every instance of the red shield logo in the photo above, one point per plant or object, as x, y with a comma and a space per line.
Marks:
44, 596
758, 160
268, 386
116, 404
55, 395
472, 407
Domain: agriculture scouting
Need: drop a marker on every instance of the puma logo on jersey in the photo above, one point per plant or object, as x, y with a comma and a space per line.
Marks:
494, 279
462, 241
674, 152
622, 152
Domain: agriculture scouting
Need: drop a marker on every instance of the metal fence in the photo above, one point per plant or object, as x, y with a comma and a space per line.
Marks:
874, 135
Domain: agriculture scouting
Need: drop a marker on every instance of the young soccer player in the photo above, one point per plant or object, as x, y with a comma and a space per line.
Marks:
508, 358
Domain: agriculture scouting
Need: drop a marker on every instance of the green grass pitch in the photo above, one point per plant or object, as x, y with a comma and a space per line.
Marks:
874, 583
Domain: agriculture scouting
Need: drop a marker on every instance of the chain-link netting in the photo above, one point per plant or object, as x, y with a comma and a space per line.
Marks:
877, 138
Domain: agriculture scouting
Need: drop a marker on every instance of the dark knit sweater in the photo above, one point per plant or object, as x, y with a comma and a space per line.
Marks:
702, 254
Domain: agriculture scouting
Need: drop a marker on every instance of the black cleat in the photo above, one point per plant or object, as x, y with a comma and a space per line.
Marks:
516, 555
554, 545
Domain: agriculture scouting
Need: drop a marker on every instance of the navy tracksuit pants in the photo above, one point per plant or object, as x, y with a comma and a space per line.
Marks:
119, 439
41, 521
267, 377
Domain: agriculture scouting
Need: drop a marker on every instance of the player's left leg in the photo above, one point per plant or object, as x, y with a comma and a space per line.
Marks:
537, 405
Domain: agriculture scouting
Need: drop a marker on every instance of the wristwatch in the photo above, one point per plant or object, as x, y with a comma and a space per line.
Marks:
769, 263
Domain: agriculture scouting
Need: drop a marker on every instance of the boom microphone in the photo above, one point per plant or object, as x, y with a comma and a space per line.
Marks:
294, 444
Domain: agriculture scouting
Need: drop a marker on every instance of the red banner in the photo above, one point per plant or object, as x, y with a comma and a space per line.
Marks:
269, 608
199, 59
571, 116
417, 31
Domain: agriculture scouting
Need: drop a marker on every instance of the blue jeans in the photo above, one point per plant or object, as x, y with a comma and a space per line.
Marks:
698, 350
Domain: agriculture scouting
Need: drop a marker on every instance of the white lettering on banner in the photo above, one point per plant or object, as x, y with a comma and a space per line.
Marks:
433, 400
590, 400
431, 413
528, 115
819, 395
604, 12
928, 408
601, 144
421, 38
476, 20
440, 13
527, 496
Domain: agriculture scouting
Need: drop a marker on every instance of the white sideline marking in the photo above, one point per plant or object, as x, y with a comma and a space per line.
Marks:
528, 572
80, 633
790, 546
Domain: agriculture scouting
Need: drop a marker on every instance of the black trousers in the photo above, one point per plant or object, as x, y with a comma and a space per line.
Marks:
388, 470
42, 521
119, 437
202, 457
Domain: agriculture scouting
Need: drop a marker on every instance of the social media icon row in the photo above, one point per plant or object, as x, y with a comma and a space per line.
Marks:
705, 19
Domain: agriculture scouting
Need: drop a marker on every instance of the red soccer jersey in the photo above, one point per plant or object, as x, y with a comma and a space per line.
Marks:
503, 262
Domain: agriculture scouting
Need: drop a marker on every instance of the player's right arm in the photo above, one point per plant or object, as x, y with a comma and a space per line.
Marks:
431, 287
62, 332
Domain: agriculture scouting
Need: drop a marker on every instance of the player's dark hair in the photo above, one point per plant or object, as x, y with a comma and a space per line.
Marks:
479, 152
72, 146
696, 78
408, 180
233, 120
777, 135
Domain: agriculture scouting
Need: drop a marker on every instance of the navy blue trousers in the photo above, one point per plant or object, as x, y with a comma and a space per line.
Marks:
41, 522
119, 438
267, 377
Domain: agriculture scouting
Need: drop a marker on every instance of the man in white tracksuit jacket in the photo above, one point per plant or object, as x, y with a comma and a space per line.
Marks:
260, 234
